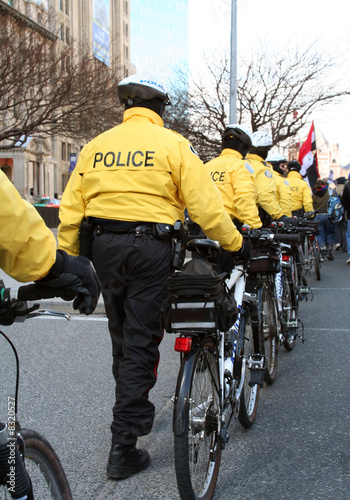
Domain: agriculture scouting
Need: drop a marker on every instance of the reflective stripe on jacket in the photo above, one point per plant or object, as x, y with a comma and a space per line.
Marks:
265, 187
234, 178
301, 192
141, 171
27, 246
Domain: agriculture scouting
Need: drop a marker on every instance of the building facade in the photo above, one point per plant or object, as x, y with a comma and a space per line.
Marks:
41, 166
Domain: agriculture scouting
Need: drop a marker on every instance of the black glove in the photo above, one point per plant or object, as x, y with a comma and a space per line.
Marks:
244, 252
288, 221
72, 278
309, 215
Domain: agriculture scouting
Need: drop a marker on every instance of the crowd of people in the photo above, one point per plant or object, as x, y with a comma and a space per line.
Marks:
131, 184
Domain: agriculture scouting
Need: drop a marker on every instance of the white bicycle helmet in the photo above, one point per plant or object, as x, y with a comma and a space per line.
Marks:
238, 132
261, 139
144, 87
276, 159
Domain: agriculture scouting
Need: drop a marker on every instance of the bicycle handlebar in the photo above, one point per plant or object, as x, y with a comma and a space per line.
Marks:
14, 307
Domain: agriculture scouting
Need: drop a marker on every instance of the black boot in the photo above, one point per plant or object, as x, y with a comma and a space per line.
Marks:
126, 460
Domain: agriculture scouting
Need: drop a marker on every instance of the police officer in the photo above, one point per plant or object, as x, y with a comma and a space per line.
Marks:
28, 253
283, 193
134, 181
300, 190
234, 178
265, 186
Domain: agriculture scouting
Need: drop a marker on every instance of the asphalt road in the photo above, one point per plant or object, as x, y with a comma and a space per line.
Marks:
298, 447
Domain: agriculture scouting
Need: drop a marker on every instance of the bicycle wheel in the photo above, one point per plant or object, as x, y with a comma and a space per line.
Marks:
250, 395
44, 468
197, 424
316, 260
269, 331
287, 315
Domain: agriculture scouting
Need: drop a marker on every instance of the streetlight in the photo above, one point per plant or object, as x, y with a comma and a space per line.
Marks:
233, 65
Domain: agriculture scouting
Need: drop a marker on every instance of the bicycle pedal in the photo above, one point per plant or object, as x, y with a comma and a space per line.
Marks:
305, 292
290, 324
256, 365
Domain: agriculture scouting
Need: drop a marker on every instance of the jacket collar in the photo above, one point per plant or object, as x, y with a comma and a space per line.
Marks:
231, 152
143, 113
295, 174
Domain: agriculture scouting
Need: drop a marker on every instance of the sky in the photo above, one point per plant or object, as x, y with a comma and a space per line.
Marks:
280, 23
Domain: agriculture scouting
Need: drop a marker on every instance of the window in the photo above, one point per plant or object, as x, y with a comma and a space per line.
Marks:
67, 7
61, 5
61, 32
126, 8
67, 36
64, 151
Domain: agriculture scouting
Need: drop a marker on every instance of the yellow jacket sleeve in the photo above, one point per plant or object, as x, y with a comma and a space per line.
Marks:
266, 193
27, 246
244, 197
307, 198
284, 195
72, 211
204, 202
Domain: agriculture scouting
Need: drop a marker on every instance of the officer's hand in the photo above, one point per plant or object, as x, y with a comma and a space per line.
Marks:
244, 252
73, 278
288, 221
309, 215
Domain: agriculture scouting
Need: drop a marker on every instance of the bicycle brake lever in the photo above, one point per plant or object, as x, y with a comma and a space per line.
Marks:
49, 312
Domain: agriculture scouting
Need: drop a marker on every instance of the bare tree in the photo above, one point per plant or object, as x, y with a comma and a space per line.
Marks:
47, 89
276, 91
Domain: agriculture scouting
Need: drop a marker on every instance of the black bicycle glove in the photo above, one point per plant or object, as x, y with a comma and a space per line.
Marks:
244, 252
288, 221
72, 278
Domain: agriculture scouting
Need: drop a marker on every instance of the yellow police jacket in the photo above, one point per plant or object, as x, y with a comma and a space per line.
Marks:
141, 171
265, 187
234, 178
283, 193
301, 192
27, 246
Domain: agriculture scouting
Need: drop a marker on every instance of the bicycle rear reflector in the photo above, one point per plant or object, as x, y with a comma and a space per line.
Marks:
285, 258
183, 344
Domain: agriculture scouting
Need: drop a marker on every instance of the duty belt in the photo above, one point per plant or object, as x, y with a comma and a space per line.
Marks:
143, 228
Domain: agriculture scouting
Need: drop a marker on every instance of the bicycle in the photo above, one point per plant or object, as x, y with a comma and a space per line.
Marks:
311, 249
222, 365
29, 466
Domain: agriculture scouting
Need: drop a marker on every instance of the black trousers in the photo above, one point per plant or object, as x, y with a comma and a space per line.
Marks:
133, 272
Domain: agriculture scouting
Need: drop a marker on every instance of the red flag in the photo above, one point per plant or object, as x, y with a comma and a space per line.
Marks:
306, 158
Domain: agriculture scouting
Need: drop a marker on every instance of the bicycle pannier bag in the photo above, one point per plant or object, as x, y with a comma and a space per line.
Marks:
198, 300
264, 260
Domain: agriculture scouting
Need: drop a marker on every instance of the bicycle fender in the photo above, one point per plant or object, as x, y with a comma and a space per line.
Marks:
183, 386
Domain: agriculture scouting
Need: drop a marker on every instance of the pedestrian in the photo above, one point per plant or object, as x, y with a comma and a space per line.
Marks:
300, 190
346, 204
28, 253
340, 226
133, 182
326, 229
265, 185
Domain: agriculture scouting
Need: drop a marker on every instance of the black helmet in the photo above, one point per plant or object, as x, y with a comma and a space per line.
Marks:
142, 87
294, 166
238, 132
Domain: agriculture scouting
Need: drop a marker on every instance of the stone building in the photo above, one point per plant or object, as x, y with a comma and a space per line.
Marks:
41, 166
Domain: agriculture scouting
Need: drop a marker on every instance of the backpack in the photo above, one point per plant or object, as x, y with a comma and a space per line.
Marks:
335, 209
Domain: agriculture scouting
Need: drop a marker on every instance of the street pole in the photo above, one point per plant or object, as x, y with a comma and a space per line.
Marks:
233, 65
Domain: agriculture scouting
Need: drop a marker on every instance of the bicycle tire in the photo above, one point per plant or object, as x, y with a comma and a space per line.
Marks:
287, 314
197, 424
44, 468
316, 260
269, 331
250, 395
